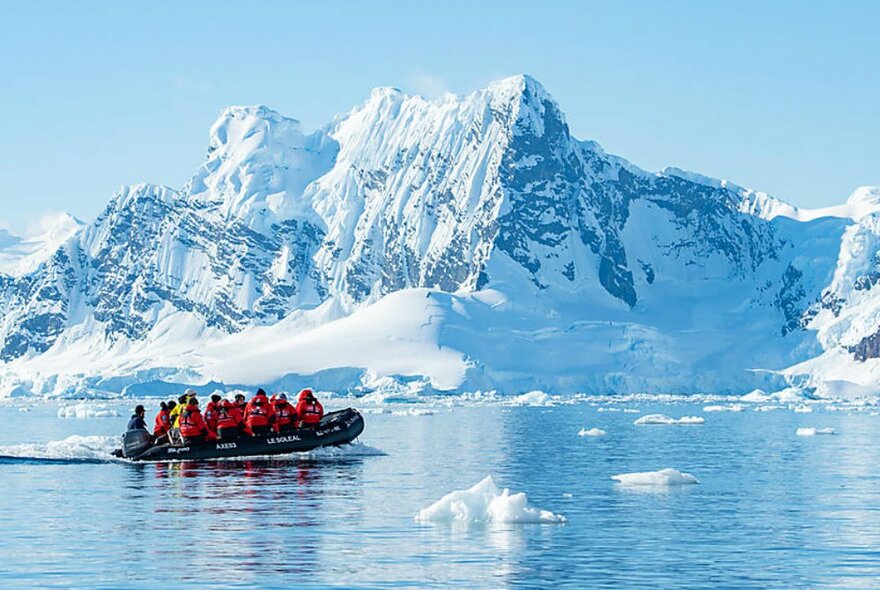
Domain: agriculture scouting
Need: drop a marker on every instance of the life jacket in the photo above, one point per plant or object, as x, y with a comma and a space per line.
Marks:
258, 415
178, 410
211, 416
174, 415
191, 423
163, 423
228, 416
309, 411
284, 413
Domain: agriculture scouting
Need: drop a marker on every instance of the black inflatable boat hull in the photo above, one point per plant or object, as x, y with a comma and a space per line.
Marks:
336, 428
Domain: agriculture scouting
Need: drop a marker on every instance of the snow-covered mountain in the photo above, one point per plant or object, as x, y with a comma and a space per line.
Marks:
465, 242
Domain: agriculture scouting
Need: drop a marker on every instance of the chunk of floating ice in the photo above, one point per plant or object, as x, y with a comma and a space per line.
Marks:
485, 503
814, 431
532, 398
87, 410
413, 412
756, 396
592, 432
664, 477
767, 408
727, 408
664, 419
803, 409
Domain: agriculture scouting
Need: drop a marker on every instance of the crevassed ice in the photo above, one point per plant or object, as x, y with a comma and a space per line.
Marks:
484, 502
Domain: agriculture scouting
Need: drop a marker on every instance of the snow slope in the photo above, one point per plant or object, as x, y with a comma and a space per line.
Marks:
459, 243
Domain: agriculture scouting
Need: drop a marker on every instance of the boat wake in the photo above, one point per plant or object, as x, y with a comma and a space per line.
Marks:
99, 449
73, 449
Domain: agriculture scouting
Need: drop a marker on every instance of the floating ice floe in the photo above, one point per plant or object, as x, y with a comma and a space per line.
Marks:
664, 419
725, 408
814, 431
802, 409
532, 398
87, 410
592, 432
767, 408
484, 502
756, 396
413, 412
664, 477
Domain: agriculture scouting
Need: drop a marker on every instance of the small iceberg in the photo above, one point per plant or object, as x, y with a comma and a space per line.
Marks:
802, 409
725, 408
87, 410
485, 503
664, 477
592, 432
814, 431
664, 419
532, 398
756, 396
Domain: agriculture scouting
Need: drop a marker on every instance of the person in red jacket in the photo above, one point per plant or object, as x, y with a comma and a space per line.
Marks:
309, 410
192, 425
212, 413
259, 418
163, 420
229, 420
242, 408
285, 414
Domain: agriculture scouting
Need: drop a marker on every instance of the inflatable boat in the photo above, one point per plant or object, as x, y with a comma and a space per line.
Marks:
336, 428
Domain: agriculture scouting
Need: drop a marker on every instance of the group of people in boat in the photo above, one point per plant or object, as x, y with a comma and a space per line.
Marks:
225, 419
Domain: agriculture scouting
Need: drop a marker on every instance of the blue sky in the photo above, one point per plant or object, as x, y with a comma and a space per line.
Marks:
780, 96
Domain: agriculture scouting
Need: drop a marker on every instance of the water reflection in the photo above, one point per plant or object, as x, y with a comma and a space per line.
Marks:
238, 520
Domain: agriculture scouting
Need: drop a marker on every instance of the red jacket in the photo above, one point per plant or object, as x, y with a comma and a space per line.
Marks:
258, 415
309, 411
242, 410
229, 415
163, 423
212, 415
192, 424
284, 413
267, 407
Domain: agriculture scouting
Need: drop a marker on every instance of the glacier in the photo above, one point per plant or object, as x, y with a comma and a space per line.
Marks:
458, 244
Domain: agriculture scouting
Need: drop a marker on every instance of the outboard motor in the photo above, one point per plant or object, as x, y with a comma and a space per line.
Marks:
135, 442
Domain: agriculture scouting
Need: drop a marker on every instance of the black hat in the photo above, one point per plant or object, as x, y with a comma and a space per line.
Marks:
261, 391
193, 401
138, 409
172, 404
215, 398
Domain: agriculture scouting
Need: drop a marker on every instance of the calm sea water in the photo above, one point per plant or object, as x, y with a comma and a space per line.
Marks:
772, 509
